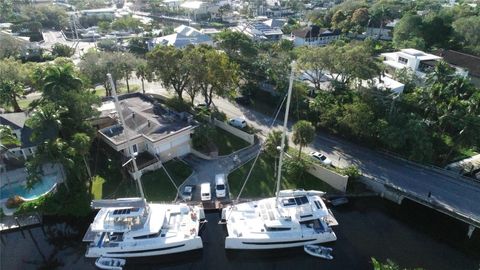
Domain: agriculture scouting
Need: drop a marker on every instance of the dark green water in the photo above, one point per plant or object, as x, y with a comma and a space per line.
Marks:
410, 234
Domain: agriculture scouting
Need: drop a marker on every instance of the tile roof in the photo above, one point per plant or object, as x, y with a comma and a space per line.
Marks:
467, 61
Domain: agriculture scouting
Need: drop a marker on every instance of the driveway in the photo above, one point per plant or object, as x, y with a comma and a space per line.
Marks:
204, 170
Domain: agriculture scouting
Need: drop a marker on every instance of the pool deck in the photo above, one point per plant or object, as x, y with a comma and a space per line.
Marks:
14, 222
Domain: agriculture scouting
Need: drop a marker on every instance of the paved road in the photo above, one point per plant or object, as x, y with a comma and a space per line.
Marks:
205, 170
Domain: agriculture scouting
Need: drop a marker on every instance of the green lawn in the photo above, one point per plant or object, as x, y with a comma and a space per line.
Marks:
228, 143
106, 163
262, 181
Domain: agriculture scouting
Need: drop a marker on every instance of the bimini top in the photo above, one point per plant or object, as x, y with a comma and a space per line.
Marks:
120, 203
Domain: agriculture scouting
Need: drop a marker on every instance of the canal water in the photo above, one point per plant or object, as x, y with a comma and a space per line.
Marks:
410, 234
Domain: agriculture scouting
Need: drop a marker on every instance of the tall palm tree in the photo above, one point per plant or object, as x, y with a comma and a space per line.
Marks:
303, 134
7, 139
143, 73
45, 120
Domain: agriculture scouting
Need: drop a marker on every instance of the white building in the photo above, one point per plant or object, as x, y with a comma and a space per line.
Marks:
259, 31
151, 127
314, 36
184, 36
417, 61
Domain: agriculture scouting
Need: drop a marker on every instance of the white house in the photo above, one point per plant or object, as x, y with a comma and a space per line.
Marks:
259, 31
417, 61
314, 36
152, 128
184, 36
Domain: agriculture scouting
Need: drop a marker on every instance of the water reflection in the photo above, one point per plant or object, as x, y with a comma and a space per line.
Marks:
410, 235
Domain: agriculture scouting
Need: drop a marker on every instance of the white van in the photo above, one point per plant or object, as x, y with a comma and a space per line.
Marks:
205, 192
220, 185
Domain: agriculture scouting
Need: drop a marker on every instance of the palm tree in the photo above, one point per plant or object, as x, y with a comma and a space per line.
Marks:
274, 139
59, 79
303, 134
7, 139
45, 120
143, 73
10, 91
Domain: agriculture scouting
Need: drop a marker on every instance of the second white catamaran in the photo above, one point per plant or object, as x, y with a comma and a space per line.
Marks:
292, 218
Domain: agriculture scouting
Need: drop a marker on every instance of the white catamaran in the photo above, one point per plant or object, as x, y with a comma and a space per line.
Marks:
292, 218
131, 227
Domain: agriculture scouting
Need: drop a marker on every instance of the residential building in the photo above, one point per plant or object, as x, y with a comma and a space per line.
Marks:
314, 36
152, 128
259, 31
107, 13
469, 63
381, 32
417, 61
16, 121
184, 36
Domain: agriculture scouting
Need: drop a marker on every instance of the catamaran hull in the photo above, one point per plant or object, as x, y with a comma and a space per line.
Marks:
263, 243
145, 250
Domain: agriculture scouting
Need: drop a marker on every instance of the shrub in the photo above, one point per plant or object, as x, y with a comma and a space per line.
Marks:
178, 105
14, 202
352, 172
220, 116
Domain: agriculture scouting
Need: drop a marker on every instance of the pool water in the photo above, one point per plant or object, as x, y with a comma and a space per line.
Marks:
40, 188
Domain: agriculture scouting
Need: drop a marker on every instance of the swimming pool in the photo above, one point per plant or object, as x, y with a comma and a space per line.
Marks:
40, 188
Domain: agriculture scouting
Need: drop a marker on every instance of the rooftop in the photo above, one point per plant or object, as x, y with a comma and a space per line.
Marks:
143, 117
468, 61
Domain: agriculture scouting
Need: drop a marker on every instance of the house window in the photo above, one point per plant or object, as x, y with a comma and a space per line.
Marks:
402, 60
135, 149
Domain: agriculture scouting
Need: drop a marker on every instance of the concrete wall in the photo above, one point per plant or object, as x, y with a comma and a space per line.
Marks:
250, 138
337, 181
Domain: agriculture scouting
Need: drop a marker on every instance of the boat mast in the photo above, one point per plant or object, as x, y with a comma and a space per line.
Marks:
136, 174
284, 134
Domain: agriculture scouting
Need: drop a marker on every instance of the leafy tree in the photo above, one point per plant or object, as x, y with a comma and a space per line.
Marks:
108, 45
466, 29
45, 120
138, 46
303, 134
213, 72
127, 23
62, 50
204, 136
436, 31
48, 16
408, 33
360, 18
128, 64
389, 265
172, 67
10, 91
10, 46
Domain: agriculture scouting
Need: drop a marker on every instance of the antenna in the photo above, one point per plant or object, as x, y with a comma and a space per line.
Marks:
136, 174
285, 121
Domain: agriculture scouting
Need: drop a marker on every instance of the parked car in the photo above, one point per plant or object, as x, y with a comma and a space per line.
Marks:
238, 122
320, 157
220, 185
187, 192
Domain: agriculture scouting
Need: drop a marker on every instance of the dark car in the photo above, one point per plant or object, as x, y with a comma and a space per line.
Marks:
243, 100
187, 192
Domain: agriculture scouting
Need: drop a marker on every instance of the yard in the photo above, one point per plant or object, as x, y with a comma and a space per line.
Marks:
262, 181
209, 137
117, 183
228, 143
